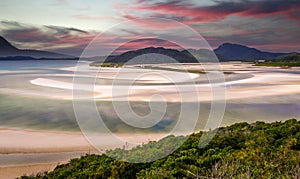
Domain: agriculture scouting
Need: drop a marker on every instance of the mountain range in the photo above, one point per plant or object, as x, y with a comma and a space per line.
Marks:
225, 52
8, 50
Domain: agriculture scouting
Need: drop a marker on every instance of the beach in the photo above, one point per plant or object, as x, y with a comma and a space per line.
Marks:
38, 128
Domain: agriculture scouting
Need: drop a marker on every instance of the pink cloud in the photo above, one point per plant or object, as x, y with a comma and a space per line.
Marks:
151, 23
144, 43
192, 13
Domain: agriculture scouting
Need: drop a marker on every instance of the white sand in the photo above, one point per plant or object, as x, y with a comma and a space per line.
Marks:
262, 84
265, 82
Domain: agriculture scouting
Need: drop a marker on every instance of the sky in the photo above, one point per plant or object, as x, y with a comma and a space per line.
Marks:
67, 26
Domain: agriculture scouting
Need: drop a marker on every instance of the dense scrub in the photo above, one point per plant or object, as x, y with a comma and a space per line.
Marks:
258, 150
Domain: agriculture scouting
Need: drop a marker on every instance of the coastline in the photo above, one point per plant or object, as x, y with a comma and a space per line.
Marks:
27, 151
28, 169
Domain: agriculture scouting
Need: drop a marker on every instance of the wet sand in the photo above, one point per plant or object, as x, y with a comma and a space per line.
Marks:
24, 151
33, 141
14, 171
41, 141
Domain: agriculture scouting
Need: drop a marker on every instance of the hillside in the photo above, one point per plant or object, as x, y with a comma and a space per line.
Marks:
8, 50
258, 150
153, 55
239, 52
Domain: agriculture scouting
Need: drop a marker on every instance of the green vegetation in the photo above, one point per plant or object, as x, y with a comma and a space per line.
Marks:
279, 64
180, 70
242, 150
112, 65
292, 60
173, 69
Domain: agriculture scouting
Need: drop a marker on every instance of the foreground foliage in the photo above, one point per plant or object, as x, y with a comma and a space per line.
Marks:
258, 150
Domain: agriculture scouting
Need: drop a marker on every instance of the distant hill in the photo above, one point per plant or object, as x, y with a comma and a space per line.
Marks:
239, 52
225, 52
8, 50
152, 55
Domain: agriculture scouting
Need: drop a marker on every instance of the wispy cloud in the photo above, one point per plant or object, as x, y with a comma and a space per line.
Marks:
144, 43
56, 38
89, 18
194, 13
73, 41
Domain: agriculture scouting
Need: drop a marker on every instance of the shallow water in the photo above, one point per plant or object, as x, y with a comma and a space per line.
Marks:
36, 112
35, 64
